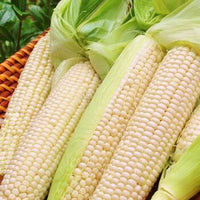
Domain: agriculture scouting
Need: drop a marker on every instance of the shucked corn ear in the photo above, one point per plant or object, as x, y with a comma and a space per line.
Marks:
162, 112
153, 129
104, 121
30, 172
32, 90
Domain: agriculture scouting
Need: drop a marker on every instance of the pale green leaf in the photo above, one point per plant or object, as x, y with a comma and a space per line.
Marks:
145, 14
182, 26
167, 6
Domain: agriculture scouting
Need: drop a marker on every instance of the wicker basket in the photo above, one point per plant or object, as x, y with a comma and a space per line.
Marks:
10, 71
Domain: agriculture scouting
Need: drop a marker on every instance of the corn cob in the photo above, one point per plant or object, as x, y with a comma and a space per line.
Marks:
33, 88
188, 135
100, 129
153, 129
30, 172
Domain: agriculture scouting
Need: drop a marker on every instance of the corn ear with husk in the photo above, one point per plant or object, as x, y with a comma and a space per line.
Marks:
78, 175
104, 121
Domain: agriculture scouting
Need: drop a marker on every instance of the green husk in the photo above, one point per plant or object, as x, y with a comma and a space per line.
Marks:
105, 51
167, 6
181, 27
145, 14
77, 25
77, 11
183, 180
103, 21
92, 116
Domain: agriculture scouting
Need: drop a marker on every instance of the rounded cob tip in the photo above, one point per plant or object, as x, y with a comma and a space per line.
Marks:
161, 195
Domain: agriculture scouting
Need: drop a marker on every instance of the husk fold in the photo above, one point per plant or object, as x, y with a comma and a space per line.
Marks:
181, 27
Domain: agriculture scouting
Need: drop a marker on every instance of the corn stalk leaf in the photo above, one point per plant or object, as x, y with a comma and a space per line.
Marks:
41, 20
20, 4
20, 14
7, 15
5, 34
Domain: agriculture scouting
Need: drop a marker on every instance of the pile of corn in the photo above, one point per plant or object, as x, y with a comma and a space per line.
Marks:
105, 105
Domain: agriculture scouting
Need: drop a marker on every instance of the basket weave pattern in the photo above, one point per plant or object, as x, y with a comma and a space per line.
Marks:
10, 71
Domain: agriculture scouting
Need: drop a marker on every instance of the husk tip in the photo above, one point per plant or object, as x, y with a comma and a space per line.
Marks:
161, 195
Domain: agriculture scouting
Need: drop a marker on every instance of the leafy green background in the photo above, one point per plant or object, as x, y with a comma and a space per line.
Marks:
22, 20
